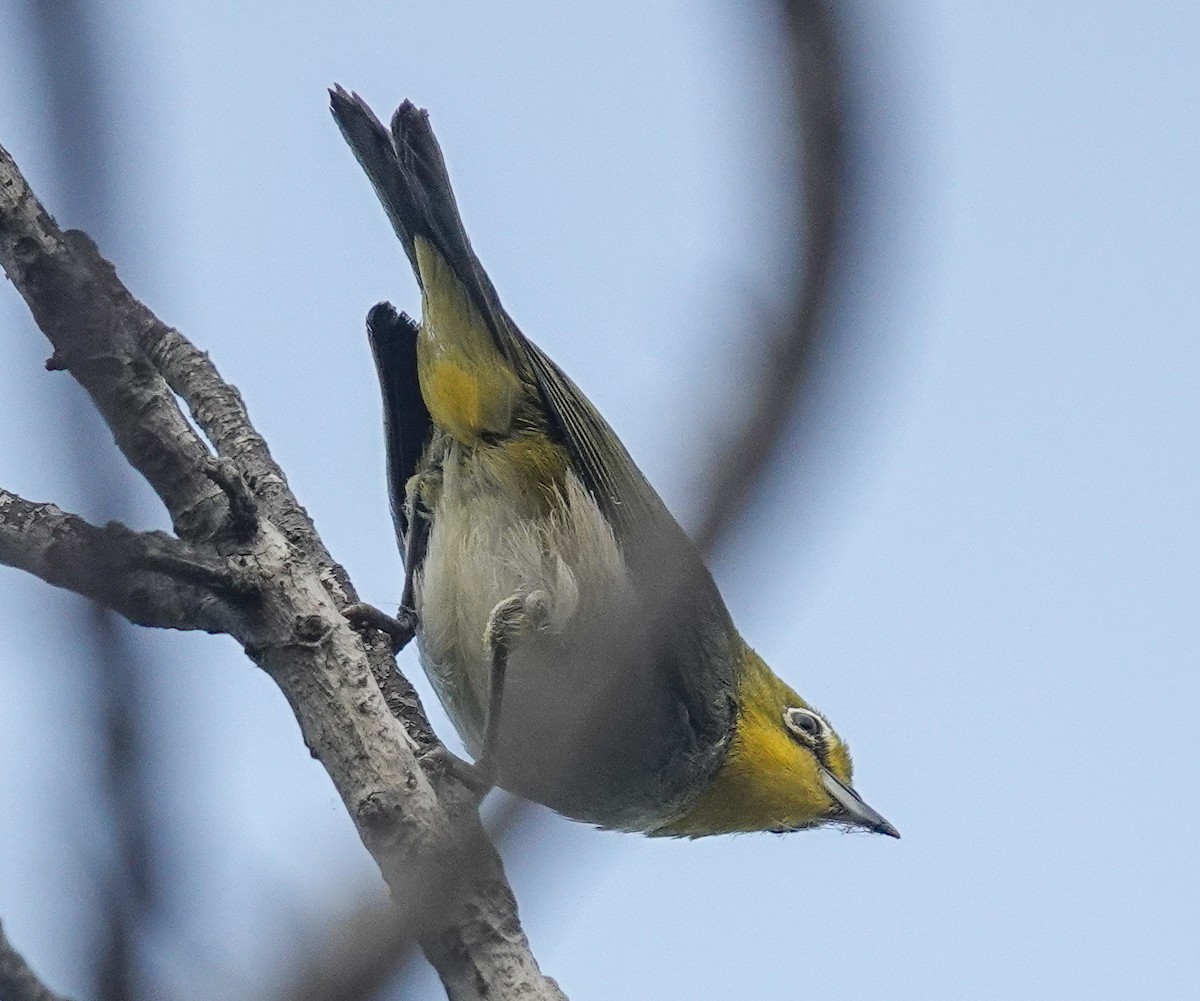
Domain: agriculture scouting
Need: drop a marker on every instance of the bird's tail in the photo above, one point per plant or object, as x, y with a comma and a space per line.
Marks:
473, 372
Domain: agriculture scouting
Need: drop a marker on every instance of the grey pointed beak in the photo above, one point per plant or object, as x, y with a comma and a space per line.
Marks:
857, 812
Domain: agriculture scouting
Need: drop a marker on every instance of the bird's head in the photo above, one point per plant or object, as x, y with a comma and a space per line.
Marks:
785, 770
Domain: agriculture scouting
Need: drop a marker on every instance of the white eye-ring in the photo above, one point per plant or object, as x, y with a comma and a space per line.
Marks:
806, 725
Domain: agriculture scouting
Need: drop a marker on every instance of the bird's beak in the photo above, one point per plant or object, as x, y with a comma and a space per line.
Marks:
857, 812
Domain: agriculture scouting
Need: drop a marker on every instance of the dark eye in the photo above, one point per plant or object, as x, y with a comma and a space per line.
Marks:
803, 722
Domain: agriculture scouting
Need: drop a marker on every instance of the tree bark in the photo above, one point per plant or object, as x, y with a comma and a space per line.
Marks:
17, 981
246, 560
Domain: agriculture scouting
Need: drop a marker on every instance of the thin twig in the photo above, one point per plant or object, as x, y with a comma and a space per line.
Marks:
69, 289
148, 577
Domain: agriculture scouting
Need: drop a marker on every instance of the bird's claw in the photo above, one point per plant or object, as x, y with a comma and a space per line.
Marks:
479, 778
400, 629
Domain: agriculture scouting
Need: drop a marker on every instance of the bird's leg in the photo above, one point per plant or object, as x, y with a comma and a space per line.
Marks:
510, 618
416, 545
403, 626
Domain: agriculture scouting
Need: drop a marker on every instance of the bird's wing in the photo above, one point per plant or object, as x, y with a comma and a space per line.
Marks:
406, 421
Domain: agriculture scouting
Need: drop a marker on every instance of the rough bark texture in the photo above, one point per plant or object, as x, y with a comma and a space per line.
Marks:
247, 561
17, 981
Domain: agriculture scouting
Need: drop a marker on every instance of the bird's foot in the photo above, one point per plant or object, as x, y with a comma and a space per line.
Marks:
400, 629
479, 778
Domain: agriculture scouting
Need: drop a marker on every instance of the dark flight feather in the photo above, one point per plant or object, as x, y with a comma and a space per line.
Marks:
406, 421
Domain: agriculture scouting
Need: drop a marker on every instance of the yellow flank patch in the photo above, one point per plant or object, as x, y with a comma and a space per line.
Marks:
468, 385
534, 458
456, 400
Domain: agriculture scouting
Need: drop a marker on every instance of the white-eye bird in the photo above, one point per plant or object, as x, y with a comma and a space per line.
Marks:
567, 623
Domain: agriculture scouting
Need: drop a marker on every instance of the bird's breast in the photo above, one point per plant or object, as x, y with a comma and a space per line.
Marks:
493, 536
592, 723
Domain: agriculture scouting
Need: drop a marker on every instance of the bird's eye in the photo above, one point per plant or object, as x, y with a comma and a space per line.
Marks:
804, 723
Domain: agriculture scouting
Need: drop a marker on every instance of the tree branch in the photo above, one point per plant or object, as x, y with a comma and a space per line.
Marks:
423, 830
17, 981
68, 289
150, 578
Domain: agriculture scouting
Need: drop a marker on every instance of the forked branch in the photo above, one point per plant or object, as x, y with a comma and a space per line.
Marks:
247, 561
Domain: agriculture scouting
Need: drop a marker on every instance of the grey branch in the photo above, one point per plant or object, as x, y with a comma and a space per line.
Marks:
150, 578
248, 562
17, 981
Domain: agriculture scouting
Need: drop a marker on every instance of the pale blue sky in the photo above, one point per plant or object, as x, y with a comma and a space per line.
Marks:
986, 573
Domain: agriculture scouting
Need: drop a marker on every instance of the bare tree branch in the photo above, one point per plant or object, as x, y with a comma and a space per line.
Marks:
17, 981
68, 288
363, 950
150, 578
426, 839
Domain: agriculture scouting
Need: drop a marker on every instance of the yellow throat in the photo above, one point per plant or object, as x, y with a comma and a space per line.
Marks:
768, 780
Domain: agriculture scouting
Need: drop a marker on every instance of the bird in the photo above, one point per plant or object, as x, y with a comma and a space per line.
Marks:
565, 620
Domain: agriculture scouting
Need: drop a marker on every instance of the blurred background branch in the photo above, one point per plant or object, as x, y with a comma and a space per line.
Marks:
785, 348
81, 108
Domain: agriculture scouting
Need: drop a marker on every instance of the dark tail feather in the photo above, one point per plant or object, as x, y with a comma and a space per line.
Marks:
409, 175
435, 212
372, 147
406, 421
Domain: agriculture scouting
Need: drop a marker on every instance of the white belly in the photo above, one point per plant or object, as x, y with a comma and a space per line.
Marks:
485, 547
